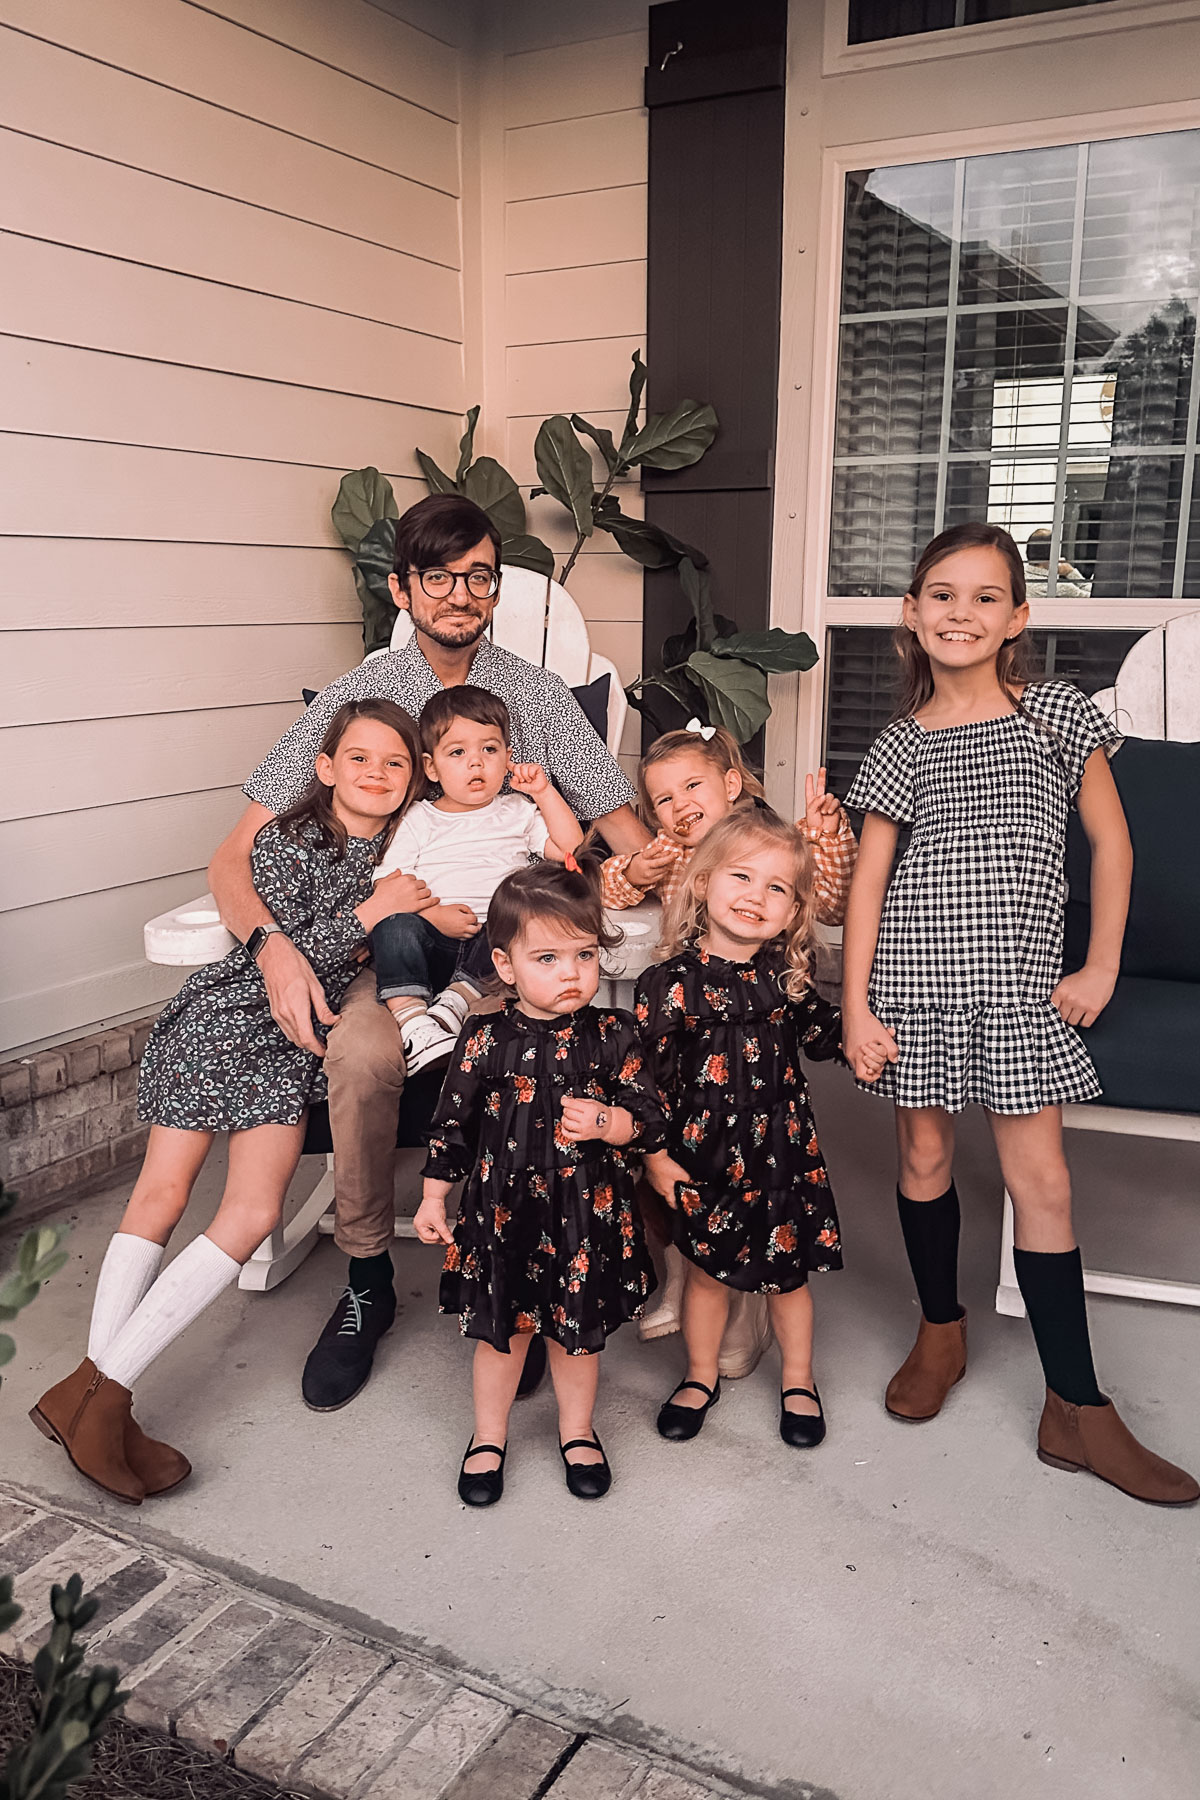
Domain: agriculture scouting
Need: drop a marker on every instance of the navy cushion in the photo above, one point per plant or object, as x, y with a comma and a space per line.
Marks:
417, 1102
1144, 1046
1159, 785
593, 698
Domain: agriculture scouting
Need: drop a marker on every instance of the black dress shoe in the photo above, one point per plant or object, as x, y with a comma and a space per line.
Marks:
587, 1481
682, 1422
534, 1369
804, 1431
485, 1488
339, 1363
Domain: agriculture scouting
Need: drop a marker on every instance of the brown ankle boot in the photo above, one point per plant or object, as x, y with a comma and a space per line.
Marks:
1093, 1438
88, 1415
938, 1359
157, 1466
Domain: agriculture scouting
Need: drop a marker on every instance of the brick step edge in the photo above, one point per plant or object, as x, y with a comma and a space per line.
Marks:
298, 1700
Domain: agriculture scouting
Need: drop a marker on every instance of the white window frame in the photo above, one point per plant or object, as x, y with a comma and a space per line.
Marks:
820, 609
842, 58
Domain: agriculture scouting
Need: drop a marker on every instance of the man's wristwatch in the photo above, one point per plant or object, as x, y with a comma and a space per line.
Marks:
258, 938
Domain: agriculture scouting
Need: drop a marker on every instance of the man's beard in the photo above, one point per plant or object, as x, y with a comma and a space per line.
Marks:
453, 633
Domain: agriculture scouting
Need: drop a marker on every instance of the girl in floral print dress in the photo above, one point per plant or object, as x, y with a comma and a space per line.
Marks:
217, 1061
543, 1107
725, 1018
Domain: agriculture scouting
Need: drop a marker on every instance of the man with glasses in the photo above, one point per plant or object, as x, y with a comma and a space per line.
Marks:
449, 580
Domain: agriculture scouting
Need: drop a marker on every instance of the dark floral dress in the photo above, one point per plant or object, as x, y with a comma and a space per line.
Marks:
724, 1043
548, 1237
216, 1060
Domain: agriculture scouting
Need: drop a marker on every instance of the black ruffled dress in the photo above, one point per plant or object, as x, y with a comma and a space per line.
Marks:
548, 1237
724, 1043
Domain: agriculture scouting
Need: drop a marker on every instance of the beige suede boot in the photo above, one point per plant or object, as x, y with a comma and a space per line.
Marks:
747, 1334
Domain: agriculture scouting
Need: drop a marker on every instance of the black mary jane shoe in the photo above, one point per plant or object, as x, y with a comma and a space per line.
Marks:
679, 1423
534, 1368
587, 1481
485, 1488
804, 1431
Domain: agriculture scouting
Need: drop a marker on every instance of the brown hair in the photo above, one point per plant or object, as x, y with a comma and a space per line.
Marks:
548, 890
315, 805
437, 529
719, 751
474, 703
1013, 666
686, 918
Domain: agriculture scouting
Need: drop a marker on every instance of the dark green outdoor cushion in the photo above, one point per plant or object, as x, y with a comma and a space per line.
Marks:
1159, 785
1144, 1046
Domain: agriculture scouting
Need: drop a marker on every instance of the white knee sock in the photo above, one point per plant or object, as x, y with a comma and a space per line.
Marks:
181, 1293
130, 1265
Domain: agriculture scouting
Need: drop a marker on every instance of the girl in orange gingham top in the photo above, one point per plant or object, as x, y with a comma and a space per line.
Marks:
688, 781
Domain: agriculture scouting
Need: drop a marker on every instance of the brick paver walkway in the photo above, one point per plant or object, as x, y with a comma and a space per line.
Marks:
297, 1700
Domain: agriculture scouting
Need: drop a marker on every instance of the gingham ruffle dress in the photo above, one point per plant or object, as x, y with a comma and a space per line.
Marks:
970, 940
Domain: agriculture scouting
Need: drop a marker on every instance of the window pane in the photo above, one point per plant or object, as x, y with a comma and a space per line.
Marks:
1141, 380
1142, 215
896, 250
1137, 523
881, 517
861, 670
871, 20
1008, 380
1018, 220
890, 387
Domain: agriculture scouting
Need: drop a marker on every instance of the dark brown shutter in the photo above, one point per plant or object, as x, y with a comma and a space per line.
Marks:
715, 93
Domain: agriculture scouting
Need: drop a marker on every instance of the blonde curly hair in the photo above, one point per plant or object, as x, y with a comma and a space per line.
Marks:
746, 829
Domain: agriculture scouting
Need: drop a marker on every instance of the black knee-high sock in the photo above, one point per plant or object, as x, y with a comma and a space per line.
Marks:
372, 1271
930, 1230
1051, 1284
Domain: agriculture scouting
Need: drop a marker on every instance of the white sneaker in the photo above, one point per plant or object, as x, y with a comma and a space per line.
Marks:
450, 1010
425, 1041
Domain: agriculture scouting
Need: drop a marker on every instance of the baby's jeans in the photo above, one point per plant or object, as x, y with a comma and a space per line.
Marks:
413, 958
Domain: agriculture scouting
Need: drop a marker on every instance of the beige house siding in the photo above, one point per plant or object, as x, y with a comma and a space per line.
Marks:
231, 246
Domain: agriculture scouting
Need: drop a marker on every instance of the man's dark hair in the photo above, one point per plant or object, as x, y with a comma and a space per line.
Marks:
437, 529
474, 703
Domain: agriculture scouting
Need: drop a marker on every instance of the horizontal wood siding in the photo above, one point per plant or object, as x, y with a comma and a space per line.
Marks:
231, 241
575, 262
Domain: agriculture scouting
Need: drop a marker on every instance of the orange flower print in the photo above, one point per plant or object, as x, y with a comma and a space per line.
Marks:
782, 1240
719, 1219
715, 1068
689, 1199
562, 1040
690, 1022
789, 1076
485, 1165
674, 998
453, 1259
816, 1176
478, 1042
527, 1322
736, 1169
631, 1066
577, 1268
493, 1105
545, 1245
602, 1199
743, 1254
751, 1049
693, 1131
795, 1128
560, 1315
716, 998
524, 1087
642, 1012
500, 1218
812, 1146
758, 1128
828, 1237
562, 1141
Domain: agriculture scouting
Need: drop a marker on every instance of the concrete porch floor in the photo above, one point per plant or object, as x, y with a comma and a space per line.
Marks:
905, 1614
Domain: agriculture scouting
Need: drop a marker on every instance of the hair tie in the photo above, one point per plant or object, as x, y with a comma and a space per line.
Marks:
570, 863
704, 731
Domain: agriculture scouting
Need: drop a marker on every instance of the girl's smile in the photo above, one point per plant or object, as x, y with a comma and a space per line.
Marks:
689, 796
750, 902
369, 773
964, 611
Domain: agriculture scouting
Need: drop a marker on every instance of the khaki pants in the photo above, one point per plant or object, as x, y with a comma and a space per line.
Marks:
364, 1062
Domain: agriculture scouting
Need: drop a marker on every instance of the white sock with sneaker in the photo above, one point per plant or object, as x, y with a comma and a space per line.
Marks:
126, 1276
185, 1288
426, 1040
450, 1008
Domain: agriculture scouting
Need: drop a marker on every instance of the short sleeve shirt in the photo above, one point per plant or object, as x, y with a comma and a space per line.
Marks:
464, 856
548, 726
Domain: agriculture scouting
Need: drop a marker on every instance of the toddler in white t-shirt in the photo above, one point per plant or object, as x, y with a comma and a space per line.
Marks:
430, 966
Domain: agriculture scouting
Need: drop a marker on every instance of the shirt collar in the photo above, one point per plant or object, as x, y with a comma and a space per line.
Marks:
483, 663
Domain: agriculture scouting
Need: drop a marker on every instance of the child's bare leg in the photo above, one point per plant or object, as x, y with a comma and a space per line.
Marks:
262, 1162
169, 1169
1030, 1149
575, 1379
705, 1315
494, 1380
792, 1317
925, 1143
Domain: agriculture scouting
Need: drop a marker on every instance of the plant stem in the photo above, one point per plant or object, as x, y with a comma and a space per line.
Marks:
580, 540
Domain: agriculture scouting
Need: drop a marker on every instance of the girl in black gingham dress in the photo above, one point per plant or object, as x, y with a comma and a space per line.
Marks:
957, 959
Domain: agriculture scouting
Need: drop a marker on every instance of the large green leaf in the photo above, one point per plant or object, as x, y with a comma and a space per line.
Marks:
379, 614
491, 486
648, 544
522, 552
363, 496
602, 439
676, 439
697, 586
436, 480
466, 446
736, 693
776, 651
637, 387
377, 556
565, 469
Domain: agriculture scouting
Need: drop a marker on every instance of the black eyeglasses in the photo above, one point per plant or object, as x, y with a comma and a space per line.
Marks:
481, 582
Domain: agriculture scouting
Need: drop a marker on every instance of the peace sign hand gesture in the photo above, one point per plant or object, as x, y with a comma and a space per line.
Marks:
822, 811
